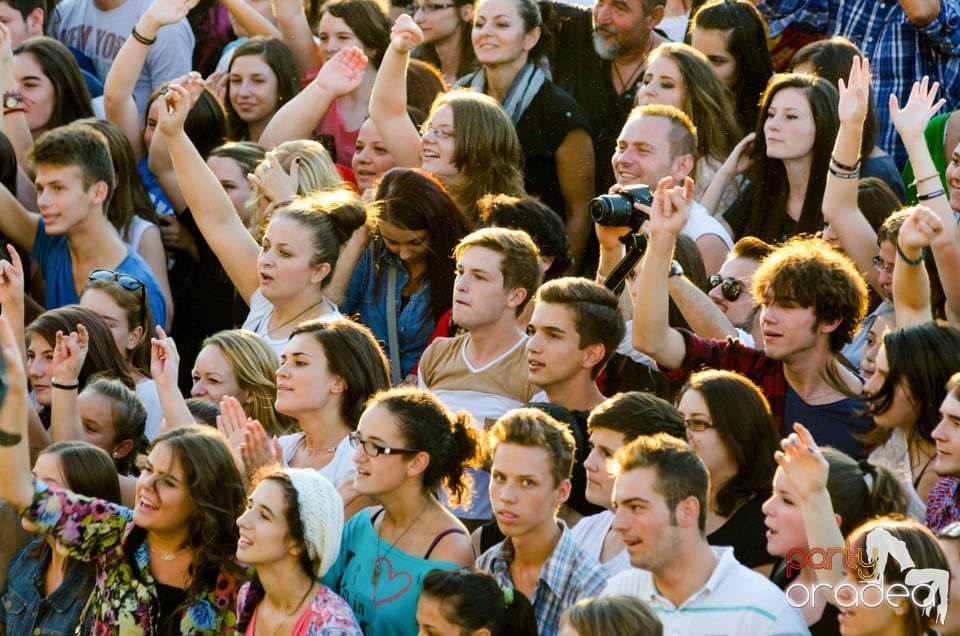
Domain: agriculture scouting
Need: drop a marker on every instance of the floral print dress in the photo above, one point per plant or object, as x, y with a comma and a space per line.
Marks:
125, 597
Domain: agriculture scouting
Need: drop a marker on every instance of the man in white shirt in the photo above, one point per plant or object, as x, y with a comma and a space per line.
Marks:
660, 504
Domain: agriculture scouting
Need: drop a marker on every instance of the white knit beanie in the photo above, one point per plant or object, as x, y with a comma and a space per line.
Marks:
321, 513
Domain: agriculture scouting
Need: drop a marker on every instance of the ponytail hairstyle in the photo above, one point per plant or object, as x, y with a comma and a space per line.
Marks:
861, 490
612, 615
472, 600
427, 425
329, 218
128, 415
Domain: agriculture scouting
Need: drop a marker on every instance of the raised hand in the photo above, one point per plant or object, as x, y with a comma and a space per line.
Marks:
671, 205
174, 106
919, 230
6, 47
343, 72
911, 120
69, 352
802, 462
275, 182
739, 158
855, 93
164, 360
11, 279
258, 450
405, 35
216, 83
160, 13
232, 424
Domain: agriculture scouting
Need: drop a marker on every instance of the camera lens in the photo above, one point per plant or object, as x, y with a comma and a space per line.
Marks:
612, 210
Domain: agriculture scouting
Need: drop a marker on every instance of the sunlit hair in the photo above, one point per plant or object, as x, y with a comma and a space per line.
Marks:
354, 355
472, 599
368, 22
612, 615
71, 99
706, 100
533, 428
520, 262
254, 364
136, 308
127, 414
486, 151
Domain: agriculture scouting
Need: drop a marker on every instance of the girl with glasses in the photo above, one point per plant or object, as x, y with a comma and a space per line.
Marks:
446, 36
469, 143
731, 429
408, 444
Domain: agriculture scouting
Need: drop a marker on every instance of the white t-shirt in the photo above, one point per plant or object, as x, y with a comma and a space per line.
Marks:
590, 533
340, 468
258, 320
146, 391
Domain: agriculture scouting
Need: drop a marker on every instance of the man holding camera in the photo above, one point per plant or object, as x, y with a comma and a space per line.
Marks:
656, 141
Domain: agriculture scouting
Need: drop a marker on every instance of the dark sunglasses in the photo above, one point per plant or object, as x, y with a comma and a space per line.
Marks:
126, 281
730, 287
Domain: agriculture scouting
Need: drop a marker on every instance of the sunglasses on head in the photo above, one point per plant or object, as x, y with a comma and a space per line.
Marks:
730, 287
124, 280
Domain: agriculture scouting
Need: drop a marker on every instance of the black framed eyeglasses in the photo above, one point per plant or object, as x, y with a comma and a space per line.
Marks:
730, 287
373, 449
697, 425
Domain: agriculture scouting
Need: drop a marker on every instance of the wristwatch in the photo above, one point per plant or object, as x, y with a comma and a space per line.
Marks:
12, 99
675, 269
10, 439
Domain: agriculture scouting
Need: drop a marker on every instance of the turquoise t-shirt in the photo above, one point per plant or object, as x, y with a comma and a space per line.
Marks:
389, 606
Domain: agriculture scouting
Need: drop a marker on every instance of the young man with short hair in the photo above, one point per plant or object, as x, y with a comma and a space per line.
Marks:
532, 461
812, 301
619, 420
660, 509
484, 371
23, 18
574, 331
72, 236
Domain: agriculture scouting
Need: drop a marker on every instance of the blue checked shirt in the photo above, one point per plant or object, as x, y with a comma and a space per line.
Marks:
899, 52
569, 575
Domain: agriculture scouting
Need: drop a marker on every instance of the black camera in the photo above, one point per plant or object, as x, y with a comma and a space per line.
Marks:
617, 209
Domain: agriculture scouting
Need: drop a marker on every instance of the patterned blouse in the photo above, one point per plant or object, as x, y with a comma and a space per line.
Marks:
125, 597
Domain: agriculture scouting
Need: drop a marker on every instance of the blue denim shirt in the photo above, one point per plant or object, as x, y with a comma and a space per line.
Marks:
23, 609
367, 295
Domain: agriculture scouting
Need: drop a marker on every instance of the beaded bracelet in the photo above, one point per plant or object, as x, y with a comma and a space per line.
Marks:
931, 195
903, 257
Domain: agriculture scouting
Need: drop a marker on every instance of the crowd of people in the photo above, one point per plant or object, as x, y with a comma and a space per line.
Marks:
502, 317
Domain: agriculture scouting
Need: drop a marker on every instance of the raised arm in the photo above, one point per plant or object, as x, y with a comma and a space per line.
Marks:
388, 101
296, 34
652, 333
804, 464
69, 352
910, 121
298, 118
118, 87
159, 162
840, 210
15, 483
14, 125
251, 20
911, 285
209, 204
702, 314
735, 164
164, 366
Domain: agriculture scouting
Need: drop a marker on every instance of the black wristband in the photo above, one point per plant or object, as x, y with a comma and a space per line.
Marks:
903, 257
10, 439
931, 195
65, 387
141, 39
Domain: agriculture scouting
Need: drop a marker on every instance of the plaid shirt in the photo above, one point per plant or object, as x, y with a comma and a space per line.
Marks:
566, 577
943, 508
899, 52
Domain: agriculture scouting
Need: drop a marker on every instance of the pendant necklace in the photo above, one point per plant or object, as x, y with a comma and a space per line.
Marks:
380, 559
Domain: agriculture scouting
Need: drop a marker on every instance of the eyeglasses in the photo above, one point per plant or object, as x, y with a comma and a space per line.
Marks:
439, 133
427, 7
697, 425
881, 266
730, 287
373, 449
